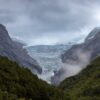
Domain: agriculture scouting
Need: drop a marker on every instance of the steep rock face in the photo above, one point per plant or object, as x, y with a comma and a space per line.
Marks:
79, 55
91, 45
15, 52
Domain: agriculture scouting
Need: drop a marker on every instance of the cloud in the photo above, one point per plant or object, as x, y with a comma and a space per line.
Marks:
54, 18
72, 67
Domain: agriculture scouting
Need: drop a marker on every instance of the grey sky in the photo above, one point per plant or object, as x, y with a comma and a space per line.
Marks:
49, 21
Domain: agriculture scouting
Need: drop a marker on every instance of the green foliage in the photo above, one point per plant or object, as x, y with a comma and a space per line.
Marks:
17, 83
85, 85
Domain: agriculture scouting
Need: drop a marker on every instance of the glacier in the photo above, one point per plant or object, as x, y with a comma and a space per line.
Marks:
48, 56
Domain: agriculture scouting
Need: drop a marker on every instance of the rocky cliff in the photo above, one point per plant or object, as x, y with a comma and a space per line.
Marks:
79, 56
16, 52
90, 45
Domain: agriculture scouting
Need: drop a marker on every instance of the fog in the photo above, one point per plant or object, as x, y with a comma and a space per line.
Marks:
73, 67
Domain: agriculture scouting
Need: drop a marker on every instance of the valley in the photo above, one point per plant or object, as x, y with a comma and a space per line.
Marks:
20, 66
49, 49
48, 56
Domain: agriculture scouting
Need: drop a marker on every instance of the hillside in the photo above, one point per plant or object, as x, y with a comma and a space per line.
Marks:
17, 83
15, 52
78, 56
85, 85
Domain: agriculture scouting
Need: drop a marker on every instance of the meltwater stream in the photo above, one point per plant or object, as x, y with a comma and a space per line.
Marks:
48, 56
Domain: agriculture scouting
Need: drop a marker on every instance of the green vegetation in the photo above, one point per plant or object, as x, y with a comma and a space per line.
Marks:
17, 83
85, 85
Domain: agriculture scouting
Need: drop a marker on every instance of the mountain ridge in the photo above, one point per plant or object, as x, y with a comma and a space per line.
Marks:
80, 55
14, 51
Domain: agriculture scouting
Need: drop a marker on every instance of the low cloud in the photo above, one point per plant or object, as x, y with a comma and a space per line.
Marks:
33, 18
72, 67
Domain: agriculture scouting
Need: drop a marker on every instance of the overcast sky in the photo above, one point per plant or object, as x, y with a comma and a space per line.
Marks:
49, 21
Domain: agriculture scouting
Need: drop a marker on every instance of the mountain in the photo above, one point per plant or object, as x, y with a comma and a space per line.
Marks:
18, 83
48, 56
14, 51
90, 45
78, 56
85, 85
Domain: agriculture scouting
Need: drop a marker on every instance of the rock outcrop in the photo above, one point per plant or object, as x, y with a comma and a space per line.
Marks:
15, 52
91, 45
79, 56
